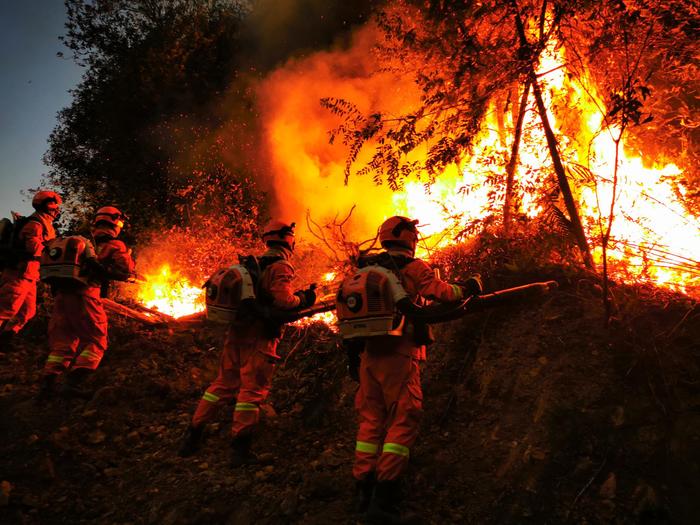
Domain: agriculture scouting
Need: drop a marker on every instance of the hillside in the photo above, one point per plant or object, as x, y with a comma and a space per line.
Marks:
535, 413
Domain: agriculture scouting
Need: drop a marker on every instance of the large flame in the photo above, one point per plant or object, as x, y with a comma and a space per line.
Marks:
653, 237
170, 292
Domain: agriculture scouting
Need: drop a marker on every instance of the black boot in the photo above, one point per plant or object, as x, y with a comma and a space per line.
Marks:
75, 383
6, 338
47, 387
363, 492
242, 455
191, 441
384, 508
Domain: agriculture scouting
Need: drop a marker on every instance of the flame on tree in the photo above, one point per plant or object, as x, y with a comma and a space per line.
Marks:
469, 59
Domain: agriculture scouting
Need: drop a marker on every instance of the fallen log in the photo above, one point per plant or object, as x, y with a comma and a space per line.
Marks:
146, 316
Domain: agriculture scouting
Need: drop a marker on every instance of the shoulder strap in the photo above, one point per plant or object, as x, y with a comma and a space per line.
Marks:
386, 260
18, 226
251, 264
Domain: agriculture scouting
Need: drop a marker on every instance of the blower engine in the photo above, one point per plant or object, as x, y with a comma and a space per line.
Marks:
232, 290
366, 304
63, 260
227, 291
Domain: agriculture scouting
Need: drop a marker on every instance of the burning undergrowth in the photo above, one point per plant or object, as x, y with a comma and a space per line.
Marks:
174, 266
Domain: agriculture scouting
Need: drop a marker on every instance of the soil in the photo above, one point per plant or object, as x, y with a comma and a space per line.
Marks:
534, 413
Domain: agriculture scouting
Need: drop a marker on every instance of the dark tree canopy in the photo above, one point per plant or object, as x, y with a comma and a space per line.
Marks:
146, 121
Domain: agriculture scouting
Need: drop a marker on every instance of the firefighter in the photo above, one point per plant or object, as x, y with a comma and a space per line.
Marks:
78, 321
249, 355
19, 280
389, 398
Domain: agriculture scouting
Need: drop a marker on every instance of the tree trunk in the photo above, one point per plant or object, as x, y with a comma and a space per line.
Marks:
513, 162
569, 201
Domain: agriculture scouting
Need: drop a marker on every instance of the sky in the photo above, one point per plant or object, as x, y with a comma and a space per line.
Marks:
34, 86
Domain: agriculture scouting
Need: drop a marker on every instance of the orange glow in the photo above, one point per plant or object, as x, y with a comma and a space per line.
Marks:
650, 221
169, 292
653, 238
328, 318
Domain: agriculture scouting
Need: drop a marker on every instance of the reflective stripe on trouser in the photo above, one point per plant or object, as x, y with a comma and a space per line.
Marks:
17, 302
244, 372
77, 322
389, 406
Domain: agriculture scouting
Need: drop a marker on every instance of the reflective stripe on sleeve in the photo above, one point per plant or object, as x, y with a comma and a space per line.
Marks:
245, 406
395, 448
54, 358
212, 398
88, 354
457, 291
364, 446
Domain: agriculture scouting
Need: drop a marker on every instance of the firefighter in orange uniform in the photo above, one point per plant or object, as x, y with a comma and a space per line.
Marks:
78, 321
249, 355
389, 398
18, 282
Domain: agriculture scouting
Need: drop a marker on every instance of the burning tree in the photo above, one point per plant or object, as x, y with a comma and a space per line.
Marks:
495, 78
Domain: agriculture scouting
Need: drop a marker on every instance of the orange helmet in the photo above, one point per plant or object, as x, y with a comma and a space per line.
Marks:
46, 199
279, 232
109, 215
399, 231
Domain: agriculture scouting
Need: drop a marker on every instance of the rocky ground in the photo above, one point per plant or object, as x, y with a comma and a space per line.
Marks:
535, 413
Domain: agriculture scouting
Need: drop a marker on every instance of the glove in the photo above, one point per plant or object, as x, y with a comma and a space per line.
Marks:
472, 286
306, 297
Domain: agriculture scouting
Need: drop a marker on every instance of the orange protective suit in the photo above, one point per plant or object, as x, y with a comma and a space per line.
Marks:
250, 353
78, 321
389, 401
18, 285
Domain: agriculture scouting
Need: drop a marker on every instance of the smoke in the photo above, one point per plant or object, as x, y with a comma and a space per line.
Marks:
275, 30
306, 171
270, 122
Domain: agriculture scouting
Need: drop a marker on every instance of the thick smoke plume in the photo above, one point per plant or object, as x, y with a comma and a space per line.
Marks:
306, 170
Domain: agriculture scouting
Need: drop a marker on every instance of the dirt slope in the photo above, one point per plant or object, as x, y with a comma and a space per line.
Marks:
534, 414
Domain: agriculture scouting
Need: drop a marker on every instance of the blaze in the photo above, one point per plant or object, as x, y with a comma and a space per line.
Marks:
170, 292
654, 239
